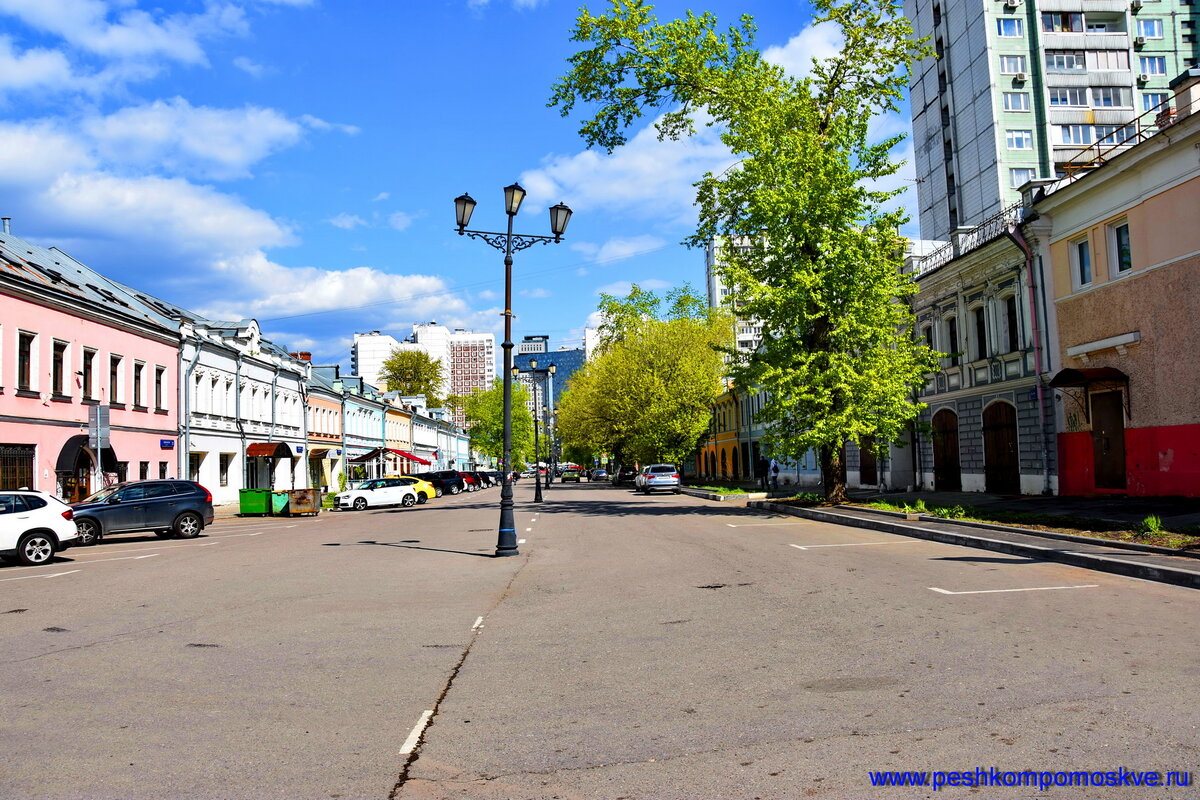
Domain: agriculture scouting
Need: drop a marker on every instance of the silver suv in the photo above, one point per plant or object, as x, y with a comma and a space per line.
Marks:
658, 476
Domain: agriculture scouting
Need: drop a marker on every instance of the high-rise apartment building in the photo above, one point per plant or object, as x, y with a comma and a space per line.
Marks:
533, 344
748, 331
1018, 89
367, 354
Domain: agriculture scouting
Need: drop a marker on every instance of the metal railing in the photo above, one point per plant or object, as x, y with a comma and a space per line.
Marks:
1144, 126
963, 242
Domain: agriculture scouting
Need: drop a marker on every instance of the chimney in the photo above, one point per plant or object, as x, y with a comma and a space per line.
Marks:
7, 224
303, 355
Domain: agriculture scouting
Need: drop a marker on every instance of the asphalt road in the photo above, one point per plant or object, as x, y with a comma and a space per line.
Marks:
639, 647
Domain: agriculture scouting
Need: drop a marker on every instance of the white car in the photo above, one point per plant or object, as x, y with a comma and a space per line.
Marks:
376, 493
34, 526
658, 476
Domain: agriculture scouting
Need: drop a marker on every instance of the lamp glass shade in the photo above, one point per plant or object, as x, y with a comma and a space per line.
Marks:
551, 368
514, 195
516, 371
533, 363
560, 215
464, 206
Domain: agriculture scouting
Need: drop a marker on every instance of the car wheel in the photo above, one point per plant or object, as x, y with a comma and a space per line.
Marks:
422, 499
34, 549
438, 492
188, 526
409, 500
455, 489
164, 534
360, 503
88, 530
679, 491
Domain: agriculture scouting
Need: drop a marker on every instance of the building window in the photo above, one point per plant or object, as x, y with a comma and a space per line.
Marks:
952, 340
1114, 134
1019, 176
1062, 23
1069, 97
1009, 26
114, 379
16, 466
1153, 100
1105, 26
89, 362
1121, 255
1152, 65
159, 375
1101, 60
1111, 97
1011, 65
138, 369
194, 462
980, 321
1065, 61
1081, 255
225, 460
927, 335
59, 369
1150, 28
1019, 140
1016, 101
162, 470
1011, 318
25, 348
143, 470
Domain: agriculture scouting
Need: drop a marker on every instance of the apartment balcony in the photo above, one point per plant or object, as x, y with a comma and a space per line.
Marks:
1110, 40
1116, 77
1093, 6
1067, 115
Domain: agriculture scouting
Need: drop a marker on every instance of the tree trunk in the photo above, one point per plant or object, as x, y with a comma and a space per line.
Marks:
833, 475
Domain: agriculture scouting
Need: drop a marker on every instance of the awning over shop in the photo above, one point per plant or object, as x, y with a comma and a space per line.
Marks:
1072, 378
318, 452
268, 450
379, 451
68, 457
411, 457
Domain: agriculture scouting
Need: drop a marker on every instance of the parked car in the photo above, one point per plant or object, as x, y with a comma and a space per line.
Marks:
449, 481
34, 526
377, 493
599, 475
572, 475
168, 507
470, 482
425, 490
625, 476
658, 476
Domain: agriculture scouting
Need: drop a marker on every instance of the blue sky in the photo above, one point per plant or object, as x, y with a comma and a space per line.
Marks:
296, 161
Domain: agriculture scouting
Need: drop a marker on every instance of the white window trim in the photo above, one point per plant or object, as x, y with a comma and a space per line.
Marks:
1110, 231
1076, 272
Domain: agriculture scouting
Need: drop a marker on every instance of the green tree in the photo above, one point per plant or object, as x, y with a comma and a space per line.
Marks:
413, 372
816, 253
648, 395
484, 410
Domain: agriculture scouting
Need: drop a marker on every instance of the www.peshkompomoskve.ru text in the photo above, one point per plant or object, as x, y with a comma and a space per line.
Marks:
1039, 779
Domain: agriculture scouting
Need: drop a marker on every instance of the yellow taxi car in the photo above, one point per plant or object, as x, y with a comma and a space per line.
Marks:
424, 489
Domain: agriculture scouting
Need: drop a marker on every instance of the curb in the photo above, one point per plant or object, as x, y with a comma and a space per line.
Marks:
1178, 577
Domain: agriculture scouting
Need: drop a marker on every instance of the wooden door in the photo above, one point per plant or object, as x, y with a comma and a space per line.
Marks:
868, 474
1108, 439
947, 475
1001, 464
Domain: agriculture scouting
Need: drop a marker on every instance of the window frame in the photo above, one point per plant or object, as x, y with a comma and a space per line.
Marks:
88, 368
1071, 17
1120, 259
27, 367
1070, 93
1077, 58
1025, 104
1012, 176
1020, 59
979, 332
1012, 322
1157, 23
60, 361
1012, 23
1155, 60
1081, 259
116, 379
1015, 137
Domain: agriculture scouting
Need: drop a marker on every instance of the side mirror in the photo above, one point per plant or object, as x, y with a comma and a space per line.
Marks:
113, 500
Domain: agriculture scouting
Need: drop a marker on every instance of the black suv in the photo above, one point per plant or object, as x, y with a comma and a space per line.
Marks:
449, 481
169, 508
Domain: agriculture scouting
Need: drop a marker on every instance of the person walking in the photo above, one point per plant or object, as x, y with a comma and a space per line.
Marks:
774, 474
760, 472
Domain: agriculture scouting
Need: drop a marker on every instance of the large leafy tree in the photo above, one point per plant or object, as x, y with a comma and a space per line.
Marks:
413, 372
484, 410
648, 395
811, 247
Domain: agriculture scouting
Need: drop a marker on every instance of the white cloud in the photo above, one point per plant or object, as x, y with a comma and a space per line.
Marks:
175, 136
318, 124
815, 41
34, 154
346, 221
488, 294
622, 288
32, 69
535, 294
618, 249
645, 178
399, 220
594, 319
381, 197
251, 68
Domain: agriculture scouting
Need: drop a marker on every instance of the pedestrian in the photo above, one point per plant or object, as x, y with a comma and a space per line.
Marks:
774, 474
760, 471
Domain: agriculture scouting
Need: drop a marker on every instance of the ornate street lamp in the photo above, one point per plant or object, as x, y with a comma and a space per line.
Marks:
537, 469
509, 242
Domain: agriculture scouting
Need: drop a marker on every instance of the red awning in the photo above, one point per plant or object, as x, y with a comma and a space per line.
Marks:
268, 450
410, 456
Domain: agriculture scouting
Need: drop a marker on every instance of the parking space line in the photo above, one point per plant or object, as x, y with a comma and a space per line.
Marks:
848, 544
410, 743
140, 549
478, 624
124, 558
766, 524
520, 541
1030, 589
27, 577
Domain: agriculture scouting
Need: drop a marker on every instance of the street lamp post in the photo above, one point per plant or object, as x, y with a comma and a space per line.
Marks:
537, 469
509, 242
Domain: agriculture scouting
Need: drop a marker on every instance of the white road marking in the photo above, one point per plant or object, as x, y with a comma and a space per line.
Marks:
410, 743
478, 624
849, 544
27, 577
765, 524
520, 541
1031, 589
527, 530
123, 558
76, 555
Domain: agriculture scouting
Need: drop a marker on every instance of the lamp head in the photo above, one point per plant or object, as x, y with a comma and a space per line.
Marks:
513, 196
516, 371
464, 207
551, 368
533, 363
560, 215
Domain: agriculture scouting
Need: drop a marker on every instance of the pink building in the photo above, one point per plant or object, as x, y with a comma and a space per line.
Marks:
72, 347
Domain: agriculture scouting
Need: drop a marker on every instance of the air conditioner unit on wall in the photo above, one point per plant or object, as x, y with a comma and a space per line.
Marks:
1143, 78
1021, 76
1011, 4
1135, 4
1139, 41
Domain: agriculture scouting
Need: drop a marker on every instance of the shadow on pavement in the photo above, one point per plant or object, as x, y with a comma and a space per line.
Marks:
488, 553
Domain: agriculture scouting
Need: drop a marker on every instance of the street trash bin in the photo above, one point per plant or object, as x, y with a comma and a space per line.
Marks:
304, 501
254, 502
279, 501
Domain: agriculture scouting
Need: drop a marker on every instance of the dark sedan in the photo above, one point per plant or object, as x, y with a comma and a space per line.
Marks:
445, 481
167, 507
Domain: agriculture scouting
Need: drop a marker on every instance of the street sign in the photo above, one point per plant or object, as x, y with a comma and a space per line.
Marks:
98, 428
166, 444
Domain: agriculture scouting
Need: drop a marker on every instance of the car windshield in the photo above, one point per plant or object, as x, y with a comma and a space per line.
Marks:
375, 484
662, 469
102, 495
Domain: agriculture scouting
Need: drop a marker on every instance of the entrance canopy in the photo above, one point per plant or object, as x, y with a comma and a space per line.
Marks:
68, 457
268, 450
1069, 378
379, 451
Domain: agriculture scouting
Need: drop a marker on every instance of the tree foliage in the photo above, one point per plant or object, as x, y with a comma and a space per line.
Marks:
648, 395
413, 372
484, 411
808, 241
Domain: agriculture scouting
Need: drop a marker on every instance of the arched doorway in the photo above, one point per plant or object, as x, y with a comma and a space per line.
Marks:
737, 472
1001, 465
724, 471
868, 472
947, 475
